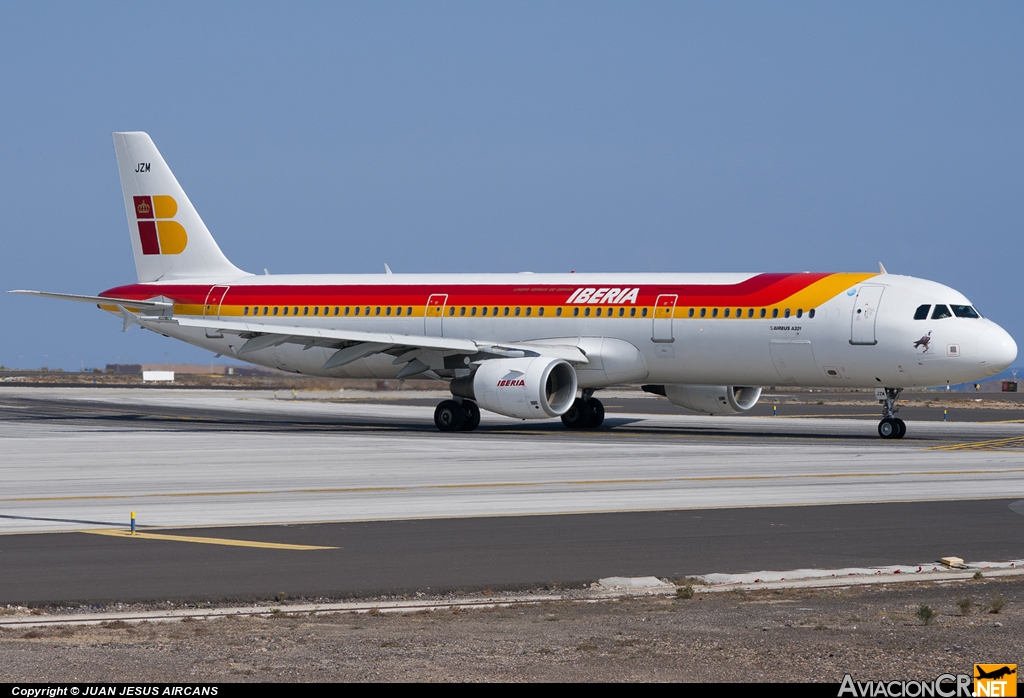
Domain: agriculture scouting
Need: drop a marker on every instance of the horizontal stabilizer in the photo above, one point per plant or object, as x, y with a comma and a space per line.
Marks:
99, 300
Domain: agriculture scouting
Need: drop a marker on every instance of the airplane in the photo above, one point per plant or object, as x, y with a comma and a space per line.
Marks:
538, 346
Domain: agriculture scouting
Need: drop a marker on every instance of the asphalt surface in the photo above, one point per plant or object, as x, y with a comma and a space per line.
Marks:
500, 552
656, 494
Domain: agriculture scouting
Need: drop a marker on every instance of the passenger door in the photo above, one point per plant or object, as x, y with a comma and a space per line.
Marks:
214, 300
865, 312
664, 309
433, 318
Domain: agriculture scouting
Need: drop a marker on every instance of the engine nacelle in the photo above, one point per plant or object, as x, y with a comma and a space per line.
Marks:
710, 399
528, 388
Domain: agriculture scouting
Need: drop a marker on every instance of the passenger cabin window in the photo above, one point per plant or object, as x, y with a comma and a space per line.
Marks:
558, 312
275, 310
750, 312
408, 310
451, 310
922, 312
714, 312
337, 308
517, 311
739, 312
775, 312
387, 310
575, 312
810, 313
316, 311
296, 310
787, 312
964, 311
690, 313
472, 311
726, 313
703, 312
246, 311
285, 310
586, 312
540, 310
643, 312
305, 310
597, 312
940, 312
763, 311
529, 310
632, 312
799, 312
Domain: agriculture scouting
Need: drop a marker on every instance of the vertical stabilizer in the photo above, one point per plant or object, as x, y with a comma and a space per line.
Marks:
169, 239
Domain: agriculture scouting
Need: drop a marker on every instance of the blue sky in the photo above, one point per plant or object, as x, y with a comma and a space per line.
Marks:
335, 137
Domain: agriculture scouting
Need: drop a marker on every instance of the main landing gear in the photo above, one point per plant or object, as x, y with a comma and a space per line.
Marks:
586, 412
457, 415
891, 426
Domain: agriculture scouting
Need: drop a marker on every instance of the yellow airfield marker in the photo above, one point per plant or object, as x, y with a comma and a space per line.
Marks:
207, 541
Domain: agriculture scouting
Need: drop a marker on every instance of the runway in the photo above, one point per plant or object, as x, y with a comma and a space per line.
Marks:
86, 459
332, 465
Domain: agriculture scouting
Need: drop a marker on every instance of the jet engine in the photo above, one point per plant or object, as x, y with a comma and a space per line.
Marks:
529, 388
710, 399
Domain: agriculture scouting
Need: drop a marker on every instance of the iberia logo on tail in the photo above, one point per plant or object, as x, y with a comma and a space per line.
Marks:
159, 234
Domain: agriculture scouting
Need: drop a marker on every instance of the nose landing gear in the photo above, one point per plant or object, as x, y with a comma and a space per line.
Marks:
891, 426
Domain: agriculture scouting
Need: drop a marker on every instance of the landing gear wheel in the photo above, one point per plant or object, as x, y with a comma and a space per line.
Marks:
449, 416
472, 415
596, 413
902, 428
888, 428
579, 415
891, 426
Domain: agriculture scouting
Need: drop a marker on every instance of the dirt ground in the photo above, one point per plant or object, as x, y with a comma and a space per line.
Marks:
872, 632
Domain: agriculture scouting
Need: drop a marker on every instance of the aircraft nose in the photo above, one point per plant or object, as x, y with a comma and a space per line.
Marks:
996, 350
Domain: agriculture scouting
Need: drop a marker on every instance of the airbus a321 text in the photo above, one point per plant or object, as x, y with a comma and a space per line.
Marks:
537, 346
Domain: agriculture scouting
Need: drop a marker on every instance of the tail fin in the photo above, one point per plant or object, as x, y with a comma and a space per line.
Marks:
169, 238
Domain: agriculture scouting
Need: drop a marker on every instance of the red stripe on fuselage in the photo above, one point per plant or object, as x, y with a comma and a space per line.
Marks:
760, 290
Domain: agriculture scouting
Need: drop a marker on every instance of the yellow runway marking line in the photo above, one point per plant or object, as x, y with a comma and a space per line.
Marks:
207, 541
1009, 443
550, 483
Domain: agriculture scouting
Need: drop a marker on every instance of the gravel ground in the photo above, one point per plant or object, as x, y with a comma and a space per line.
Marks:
872, 632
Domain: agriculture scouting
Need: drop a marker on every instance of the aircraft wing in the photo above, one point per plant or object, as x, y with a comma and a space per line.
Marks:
419, 352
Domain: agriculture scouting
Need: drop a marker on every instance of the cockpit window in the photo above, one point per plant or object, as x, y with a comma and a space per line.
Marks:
964, 311
922, 312
940, 312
